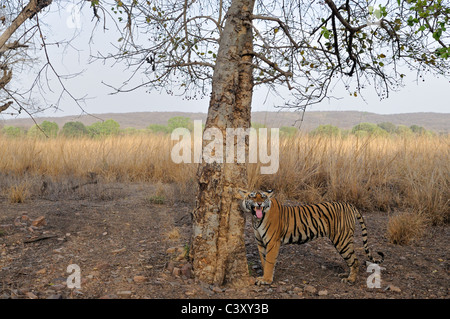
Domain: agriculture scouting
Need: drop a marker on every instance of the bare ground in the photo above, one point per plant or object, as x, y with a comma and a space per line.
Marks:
126, 246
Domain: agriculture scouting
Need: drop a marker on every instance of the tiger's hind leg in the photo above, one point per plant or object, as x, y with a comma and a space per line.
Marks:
346, 250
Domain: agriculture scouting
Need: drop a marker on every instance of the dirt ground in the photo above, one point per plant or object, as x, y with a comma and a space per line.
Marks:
129, 244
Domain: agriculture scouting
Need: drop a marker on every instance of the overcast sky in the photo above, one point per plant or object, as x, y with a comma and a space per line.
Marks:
433, 95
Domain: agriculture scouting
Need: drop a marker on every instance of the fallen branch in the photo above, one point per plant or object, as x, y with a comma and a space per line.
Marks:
84, 184
39, 239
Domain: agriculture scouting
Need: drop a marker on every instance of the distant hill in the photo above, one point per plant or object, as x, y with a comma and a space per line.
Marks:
438, 122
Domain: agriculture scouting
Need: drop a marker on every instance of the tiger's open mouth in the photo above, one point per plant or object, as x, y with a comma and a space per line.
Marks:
258, 212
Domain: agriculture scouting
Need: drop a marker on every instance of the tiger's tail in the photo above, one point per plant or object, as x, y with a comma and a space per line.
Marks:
364, 236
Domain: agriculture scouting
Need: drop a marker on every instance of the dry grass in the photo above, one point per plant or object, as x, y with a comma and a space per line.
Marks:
374, 173
121, 158
18, 193
173, 234
406, 228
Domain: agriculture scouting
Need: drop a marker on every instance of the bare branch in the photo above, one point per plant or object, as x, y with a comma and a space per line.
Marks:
338, 15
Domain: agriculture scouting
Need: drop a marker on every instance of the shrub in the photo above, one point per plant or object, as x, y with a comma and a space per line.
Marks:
158, 129
13, 131
47, 128
257, 126
327, 130
108, 127
180, 122
288, 131
388, 127
405, 228
18, 193
74, 129
364, 129
403, 130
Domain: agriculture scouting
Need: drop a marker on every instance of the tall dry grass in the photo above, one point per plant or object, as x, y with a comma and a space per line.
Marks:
118, 158
374, 173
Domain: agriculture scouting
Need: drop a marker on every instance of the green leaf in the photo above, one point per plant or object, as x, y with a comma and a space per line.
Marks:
325, 32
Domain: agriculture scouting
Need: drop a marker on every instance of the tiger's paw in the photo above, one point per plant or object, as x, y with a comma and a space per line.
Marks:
261, 281
348, 280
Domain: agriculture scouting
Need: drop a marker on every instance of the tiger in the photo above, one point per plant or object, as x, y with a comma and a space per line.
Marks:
275, 224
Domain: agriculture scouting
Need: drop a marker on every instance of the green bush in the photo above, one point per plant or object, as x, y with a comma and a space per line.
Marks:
327, 130
403, 130
13, 131
257, 126
180, 121
47, 128
364, 129
74, 129
388, 127
288, 131
108, 127
158, 128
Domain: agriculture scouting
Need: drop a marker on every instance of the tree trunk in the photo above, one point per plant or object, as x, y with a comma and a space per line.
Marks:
218, 248
31, 9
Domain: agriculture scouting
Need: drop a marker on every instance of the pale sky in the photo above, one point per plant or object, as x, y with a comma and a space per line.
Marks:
433, 95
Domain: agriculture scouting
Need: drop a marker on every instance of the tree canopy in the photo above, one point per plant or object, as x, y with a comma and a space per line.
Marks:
304, 46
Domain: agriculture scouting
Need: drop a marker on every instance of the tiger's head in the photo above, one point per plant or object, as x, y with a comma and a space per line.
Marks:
256, 202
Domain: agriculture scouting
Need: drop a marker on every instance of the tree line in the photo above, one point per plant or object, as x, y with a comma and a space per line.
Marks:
112, 127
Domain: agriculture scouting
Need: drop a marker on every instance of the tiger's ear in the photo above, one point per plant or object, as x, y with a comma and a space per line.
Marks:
241, 193
270, 193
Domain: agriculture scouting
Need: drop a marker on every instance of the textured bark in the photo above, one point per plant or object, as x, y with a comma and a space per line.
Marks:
31, 9
218, 248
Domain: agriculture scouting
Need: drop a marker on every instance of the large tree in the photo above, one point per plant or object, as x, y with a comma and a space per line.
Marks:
225, 48
222, 49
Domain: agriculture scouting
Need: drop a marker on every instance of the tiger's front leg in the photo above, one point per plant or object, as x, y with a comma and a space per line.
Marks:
262, 255
271, 255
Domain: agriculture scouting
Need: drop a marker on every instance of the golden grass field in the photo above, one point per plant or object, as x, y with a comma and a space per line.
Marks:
392, 174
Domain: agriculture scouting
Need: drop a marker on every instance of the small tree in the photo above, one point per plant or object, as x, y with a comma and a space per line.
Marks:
74, 129
288, 131
327, 130
388, 127
179, 122
158, 129
403, 130
416, 129
364, 129
257, 125
108, 127
13, 131
46, 129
